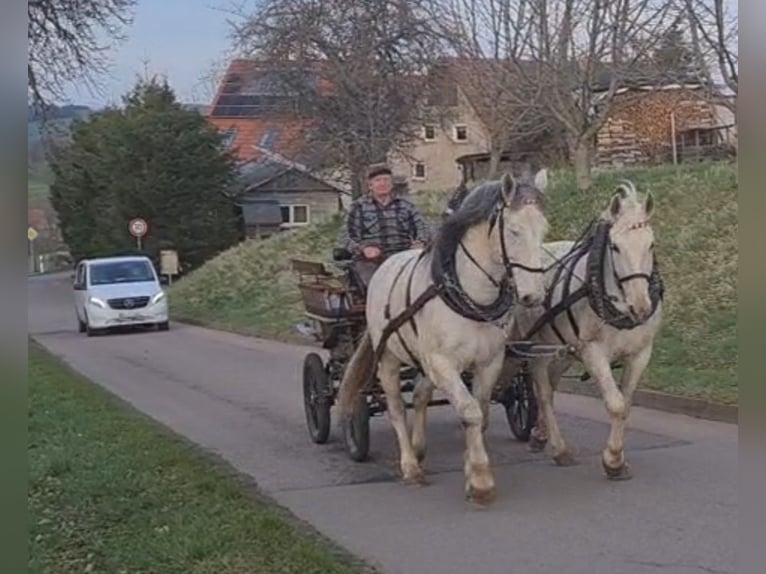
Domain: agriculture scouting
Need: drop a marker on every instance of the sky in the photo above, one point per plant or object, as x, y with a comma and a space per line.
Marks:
178, 39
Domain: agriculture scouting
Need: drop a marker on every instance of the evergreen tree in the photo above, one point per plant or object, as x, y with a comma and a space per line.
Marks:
673, 58
150, 159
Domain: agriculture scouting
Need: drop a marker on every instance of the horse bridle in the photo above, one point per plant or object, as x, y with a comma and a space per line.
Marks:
617, 278
497, 219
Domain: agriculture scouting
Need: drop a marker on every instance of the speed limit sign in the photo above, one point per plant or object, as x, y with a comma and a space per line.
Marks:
138, 229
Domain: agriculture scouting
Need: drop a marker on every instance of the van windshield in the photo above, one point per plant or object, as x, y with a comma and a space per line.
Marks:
121, 272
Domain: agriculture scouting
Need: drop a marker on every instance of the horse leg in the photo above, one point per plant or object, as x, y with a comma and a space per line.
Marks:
544, 392
633, 369
480, 484
484, 380
555, 370
421, 396
388, 374
613, 456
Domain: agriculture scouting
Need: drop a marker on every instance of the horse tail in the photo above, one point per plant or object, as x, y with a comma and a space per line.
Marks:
358, 372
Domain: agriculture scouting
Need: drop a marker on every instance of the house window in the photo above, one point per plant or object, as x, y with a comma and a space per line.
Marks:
429, 133
227, 138
461, 133
293, 215
419, 170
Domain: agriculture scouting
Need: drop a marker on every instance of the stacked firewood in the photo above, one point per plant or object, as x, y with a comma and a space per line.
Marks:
639, 126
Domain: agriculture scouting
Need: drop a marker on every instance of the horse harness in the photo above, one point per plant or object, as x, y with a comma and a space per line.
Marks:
448, 288
594, 244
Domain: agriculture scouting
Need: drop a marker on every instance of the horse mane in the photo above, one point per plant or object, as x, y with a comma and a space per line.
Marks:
480, 205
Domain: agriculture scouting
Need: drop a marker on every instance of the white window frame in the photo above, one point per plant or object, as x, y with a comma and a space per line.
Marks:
455, 130
425, 132
291, 207
415, 175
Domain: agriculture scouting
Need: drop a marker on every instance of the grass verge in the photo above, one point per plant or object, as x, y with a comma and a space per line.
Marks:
110, 491
250, 288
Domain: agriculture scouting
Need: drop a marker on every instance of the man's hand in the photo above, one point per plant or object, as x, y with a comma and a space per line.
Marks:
371, 252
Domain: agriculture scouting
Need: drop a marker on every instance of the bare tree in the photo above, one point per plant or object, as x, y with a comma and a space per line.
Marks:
714, 27
68, 40
584, 50
371, 61
489, 39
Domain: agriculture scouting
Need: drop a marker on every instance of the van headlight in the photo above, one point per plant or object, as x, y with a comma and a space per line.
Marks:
95, 301
158, 297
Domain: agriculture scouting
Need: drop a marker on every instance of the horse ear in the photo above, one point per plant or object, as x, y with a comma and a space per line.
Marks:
508, 186
541, 179
649, 204
616, 205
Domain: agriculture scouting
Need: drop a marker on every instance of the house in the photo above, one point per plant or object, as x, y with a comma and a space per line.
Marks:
651, 121
476, 103
261, 127
256, 114
277, 194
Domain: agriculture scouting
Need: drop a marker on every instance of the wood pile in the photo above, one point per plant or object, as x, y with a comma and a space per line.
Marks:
638, 129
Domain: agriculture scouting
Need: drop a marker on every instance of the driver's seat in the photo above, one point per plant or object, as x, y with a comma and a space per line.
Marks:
344, 258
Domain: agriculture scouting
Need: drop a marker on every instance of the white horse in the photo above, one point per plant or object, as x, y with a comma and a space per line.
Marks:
605, 303
485, 258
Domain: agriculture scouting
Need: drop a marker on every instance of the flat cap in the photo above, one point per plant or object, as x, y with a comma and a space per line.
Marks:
378, 169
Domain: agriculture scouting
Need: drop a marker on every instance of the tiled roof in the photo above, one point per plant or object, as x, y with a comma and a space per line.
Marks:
284, 136
252, 109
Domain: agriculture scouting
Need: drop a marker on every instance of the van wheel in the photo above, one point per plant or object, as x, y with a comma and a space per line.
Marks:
164, 326
81, 326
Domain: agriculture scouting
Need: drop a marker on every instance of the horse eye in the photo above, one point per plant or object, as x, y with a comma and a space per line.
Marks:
615, 248
651, 247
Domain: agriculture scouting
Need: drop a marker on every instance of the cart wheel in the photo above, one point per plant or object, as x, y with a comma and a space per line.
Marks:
356, 432
521, 407
316, 398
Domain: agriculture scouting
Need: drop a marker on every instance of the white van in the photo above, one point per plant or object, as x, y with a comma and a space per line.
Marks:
117, 291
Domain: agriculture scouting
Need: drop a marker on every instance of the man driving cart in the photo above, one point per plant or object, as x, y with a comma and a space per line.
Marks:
381, 224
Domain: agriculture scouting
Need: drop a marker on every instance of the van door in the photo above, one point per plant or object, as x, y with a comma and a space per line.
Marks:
80, 291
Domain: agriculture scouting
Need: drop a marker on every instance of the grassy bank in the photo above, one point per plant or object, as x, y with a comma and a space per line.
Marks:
110, 492
251, 289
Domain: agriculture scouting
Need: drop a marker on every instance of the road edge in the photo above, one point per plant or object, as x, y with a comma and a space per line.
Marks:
248, 483
657, 400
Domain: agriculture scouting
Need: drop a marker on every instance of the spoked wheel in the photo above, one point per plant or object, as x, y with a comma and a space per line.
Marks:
356, 431
521, 406
316, 398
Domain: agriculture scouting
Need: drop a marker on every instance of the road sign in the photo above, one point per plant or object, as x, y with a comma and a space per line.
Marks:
138, 227
32, 233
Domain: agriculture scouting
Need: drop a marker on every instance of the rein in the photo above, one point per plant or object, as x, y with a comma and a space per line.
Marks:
449, 290
594, 244
461, 303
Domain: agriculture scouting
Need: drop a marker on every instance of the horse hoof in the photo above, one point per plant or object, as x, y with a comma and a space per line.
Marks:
415, 478
564, 459
420, 455
536, 445
622, 472
480, 496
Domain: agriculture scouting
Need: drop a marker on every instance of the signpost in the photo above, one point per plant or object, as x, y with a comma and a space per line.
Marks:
138, 228
169, 264
31, 236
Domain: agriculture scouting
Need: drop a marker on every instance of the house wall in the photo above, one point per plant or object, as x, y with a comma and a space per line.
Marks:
439, 155
322, 204
638, 129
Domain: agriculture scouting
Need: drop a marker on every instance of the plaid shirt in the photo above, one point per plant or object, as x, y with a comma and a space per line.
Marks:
392, 228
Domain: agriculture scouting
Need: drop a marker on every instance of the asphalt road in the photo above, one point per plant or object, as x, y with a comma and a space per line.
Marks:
241, 398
